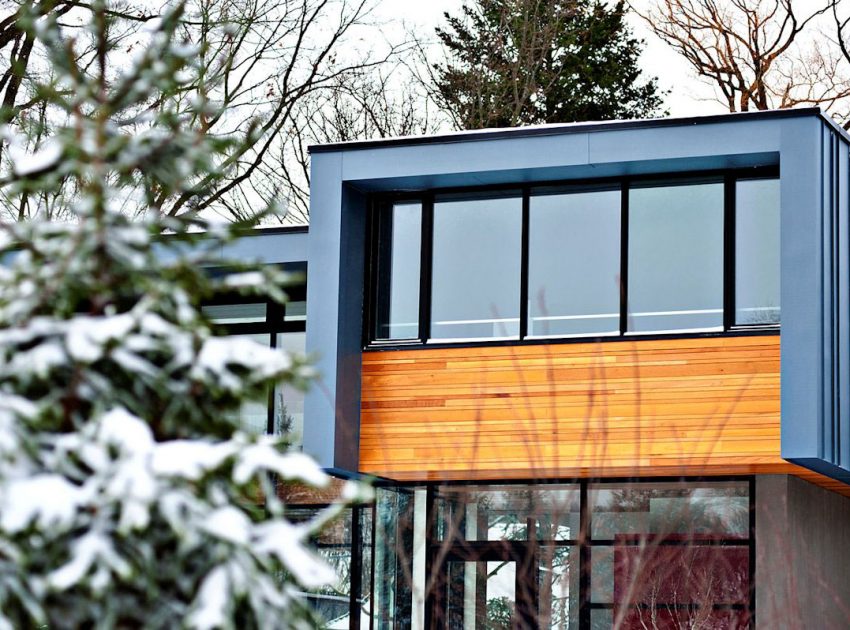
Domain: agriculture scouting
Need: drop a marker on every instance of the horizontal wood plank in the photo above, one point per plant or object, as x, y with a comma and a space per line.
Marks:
661, 407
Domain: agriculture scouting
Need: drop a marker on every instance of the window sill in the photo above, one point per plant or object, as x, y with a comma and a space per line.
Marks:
740, 331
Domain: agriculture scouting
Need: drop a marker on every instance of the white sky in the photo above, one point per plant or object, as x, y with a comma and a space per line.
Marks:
689, 96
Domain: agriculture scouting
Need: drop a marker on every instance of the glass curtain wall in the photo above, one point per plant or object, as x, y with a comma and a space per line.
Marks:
623, 258
577, 556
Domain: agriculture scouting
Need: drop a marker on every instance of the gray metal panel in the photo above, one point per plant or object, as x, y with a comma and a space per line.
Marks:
843, 343
801, 281
269, 247
717, 139
323, 305
465, 158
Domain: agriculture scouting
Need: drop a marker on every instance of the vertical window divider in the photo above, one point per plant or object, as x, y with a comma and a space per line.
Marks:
274, 313
584, 558
728, 252
624, 256
425, 266
523, 283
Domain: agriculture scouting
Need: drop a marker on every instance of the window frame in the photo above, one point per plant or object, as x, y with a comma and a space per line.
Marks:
584, 542
379, 202
274, 324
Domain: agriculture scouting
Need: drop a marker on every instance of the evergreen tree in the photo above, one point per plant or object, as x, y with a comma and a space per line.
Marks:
520, 62
128, 496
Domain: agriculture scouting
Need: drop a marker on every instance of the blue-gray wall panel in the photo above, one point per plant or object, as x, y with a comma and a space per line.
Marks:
801, 200
323, 304
270, 248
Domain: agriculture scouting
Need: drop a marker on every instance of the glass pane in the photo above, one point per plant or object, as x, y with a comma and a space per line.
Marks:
476, 269
331, 603
574, 263
675, 262
481, 595
253, 416
365, 596
289, 400
296, 311
400, 526
689, 580
398, 272
757, 252
235, 313
602, 619
559, 587
506, 512
629, 512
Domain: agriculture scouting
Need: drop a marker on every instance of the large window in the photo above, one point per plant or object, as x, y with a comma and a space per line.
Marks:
277, 326
626, 257
398, 269
476, 268
577, 556
675, 260
757, 251
574, 263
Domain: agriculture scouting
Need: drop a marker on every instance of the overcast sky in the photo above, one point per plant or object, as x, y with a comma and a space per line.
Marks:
688, 97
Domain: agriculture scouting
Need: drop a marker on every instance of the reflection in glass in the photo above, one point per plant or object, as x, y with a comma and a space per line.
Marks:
666, 585
574, 263
559, 587
400, 580
507, 512
398, 270
757, 252
289, 400
253, 415
335, 545
669, 508
675, 256
224, 314
481, 595
476, 268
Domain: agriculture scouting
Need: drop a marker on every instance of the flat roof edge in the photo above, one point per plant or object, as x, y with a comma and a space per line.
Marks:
569, 128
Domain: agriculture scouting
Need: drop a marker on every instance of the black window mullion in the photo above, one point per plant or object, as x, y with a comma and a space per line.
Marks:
425, 268
356, 571
270, 315
584, 559
523, 287
371, 272
729, 253
752, 558
624, 257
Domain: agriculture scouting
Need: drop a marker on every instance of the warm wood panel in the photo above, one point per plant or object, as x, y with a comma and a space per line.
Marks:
707, 406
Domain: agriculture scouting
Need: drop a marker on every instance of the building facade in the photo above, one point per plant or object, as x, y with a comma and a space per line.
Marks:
599, 373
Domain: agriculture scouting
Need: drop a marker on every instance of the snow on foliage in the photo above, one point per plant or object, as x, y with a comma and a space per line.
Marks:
128, 495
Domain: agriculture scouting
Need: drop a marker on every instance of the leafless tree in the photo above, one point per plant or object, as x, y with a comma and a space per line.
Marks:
378, 103
267, 62
759, 54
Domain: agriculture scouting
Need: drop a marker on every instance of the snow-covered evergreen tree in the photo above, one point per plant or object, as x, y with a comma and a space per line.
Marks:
128, 496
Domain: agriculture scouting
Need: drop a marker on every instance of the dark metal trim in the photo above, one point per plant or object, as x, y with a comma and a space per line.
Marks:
752, 558
568, 129
771, 331
729, 230
356, 570
543, 187
624, 257
524, 262
426, 268
584, 559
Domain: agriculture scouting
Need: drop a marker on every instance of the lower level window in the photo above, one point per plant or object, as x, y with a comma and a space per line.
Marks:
579, 556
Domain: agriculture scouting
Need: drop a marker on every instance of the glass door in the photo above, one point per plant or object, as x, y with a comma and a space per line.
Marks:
486, 587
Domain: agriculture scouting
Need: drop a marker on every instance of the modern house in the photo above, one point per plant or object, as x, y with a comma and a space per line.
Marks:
599, 372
